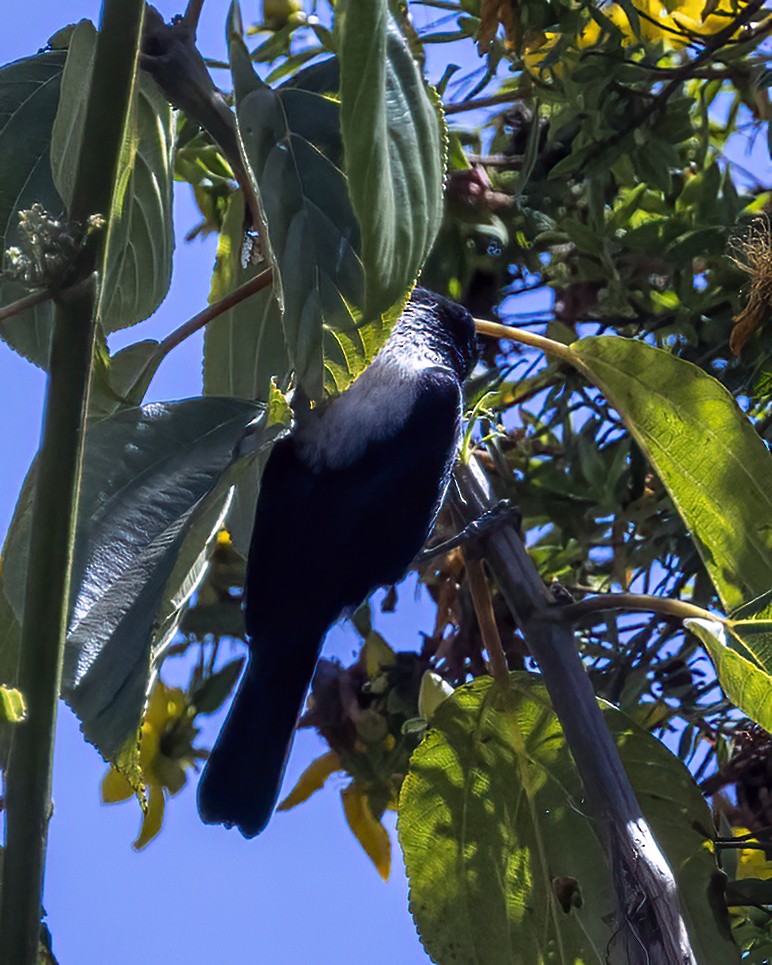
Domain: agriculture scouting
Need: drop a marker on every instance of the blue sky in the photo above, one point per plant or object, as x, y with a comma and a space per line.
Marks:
303, 892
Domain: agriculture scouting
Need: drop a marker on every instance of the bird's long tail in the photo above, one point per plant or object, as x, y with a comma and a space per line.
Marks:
242, 777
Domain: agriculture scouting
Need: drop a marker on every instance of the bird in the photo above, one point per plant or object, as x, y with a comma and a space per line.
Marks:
346, 502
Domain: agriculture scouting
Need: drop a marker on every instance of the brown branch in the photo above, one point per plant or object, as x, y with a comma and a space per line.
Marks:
505, 97
204, 317
22, 304
483, 608
650, 925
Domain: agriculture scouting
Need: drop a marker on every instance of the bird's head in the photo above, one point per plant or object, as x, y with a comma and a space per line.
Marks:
447, 326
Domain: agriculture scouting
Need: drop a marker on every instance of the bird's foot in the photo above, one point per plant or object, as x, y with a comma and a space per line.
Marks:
504, 512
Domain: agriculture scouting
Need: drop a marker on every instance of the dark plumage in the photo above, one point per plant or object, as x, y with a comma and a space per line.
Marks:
346, 502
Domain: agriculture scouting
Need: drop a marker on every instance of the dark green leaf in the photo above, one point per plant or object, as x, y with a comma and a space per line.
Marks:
154, 491
291, 141
29, 93
244, 347
395, 150
211, 695
140, 244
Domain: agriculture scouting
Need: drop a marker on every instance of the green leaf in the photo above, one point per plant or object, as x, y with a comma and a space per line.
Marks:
213, 692
395, 146
746, 683
29, 93
10, 638
291, 141
155, 488
504, 866
706, 452
122, 379
244, 347
140, 244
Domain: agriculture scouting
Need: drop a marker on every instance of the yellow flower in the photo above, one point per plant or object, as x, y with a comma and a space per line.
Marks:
662, 21
165, 752
751, 862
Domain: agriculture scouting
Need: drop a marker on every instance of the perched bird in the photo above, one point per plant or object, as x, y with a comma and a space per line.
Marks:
346, 502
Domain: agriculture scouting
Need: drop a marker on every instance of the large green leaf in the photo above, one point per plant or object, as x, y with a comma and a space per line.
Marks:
505, 867
712, 461
394, 144
138, 258
156, 482
291, 141
29, 94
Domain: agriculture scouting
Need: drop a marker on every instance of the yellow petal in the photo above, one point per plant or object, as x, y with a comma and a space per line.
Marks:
751, 862
115, 787
154, 817
311, 780
370, 833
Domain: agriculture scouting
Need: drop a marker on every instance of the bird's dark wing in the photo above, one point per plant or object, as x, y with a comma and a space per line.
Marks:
323, 540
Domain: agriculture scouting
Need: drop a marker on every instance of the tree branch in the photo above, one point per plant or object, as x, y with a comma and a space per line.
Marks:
547, 345
650, 925
483, 608
28, 781
22, 304
251, 287
505, 97
631, 601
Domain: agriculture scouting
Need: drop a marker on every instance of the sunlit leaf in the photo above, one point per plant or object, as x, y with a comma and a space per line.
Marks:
12, 707
503, 862
746, 683
706, 452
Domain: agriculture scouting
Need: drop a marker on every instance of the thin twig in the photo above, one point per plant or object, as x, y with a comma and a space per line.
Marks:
483, 607
251, 287
632, 601
496, 160
504, 97
22, 304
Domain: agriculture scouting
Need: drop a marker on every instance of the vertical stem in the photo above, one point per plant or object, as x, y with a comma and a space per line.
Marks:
28, 782
483, 606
